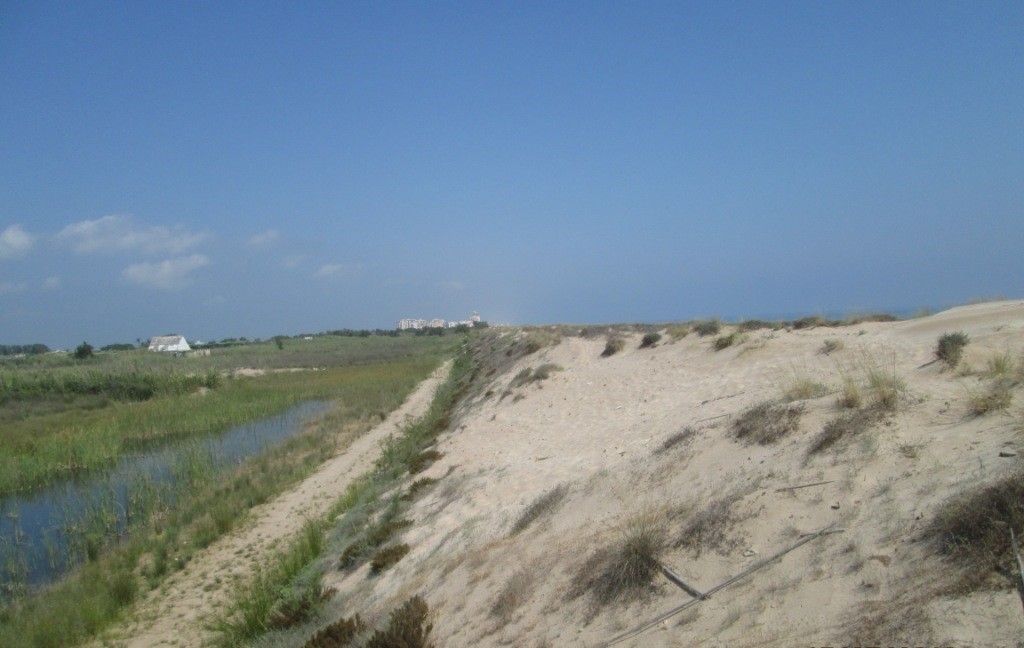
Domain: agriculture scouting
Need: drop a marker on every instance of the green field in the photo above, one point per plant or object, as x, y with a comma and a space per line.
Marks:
64, 416
60, 416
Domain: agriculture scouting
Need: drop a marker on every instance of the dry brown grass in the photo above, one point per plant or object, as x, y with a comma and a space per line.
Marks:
842, 428
707, 327
541, 507
830, 346
804, 388
972, 530
625, 569
707, 529
340, 634
408, 627
677, 331
512, 595
681, 437
767, 422
387, 557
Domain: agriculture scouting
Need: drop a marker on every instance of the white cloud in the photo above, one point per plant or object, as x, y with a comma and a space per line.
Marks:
263, 239
117, 233
338, 270
51, 283
14, 242
170, 274
293, 261
11, 287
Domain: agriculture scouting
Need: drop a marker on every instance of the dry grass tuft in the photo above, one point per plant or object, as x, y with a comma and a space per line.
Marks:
408, 627
996, 397
707, 529
340, 634
625, 569
513, 594
850, 396
842, 428
613, 346
649, 340
423, 460
767, 422
419, 486
677, 331
886, 386
683, 436
804, 388
973, 531
542, 506
830, 346
387, 557
950, 347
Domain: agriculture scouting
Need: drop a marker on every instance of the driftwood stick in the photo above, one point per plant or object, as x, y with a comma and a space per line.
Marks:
816, 483
1020, 565
680, 583
743, 574
711, 418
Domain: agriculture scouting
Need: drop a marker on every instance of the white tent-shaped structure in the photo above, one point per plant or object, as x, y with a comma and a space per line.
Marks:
169, 343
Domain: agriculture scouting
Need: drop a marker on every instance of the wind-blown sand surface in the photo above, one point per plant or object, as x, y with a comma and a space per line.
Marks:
174, 614
595, 428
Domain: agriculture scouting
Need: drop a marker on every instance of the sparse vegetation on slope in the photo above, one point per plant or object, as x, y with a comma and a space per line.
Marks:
706, 529
707, 327
842, 428
542, 506
767, 422
649, 340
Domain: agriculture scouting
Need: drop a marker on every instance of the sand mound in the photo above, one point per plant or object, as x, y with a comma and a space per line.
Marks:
649, 434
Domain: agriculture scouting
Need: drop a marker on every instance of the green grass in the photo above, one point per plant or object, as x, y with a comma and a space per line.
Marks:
55, 443
166, 534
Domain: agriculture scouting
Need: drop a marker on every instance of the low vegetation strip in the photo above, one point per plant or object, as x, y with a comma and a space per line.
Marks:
358, 525
164, 539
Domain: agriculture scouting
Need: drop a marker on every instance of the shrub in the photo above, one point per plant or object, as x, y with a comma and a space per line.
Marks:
387, 557
950, 347
726, 341
529, 375
973, 530
407, 628
830, 346
340, 634
418, 486
707, 327
542, 506
649, 340
840, 428
83, 351
767, 422
613, 346
625, 569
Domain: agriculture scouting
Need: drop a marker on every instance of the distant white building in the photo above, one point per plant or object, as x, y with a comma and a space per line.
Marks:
169, 344
416, 324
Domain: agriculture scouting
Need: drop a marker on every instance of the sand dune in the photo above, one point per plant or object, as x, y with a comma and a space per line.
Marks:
596, 427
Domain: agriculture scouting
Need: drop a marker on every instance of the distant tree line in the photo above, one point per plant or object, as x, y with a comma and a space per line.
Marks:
26, 349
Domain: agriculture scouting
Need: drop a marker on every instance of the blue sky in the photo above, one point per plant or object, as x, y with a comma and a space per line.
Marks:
226, 169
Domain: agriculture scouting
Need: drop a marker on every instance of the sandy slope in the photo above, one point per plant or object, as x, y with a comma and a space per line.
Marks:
595, 426
173, 615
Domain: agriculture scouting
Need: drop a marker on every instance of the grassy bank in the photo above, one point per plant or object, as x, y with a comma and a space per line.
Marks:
166, 534
61, 420
288, 590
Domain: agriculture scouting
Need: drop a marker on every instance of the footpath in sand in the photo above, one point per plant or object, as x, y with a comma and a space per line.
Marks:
173, 615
